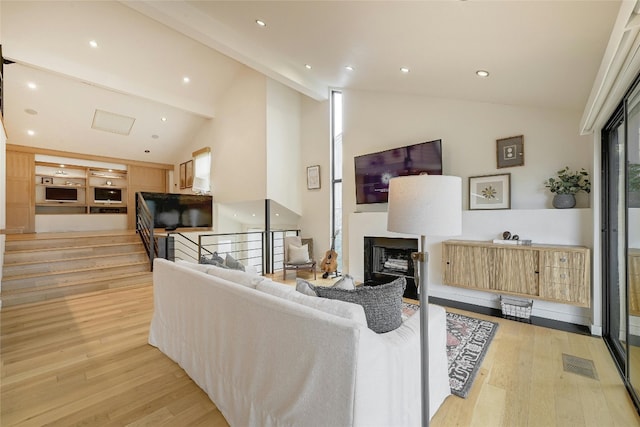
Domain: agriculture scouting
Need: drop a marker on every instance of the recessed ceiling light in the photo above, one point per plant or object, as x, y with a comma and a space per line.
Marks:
31, 111
307, 66
93, 44
110, 170
277, 214
349, 68
32, 85
164, 119
186, 79
404, 70
482, 73
61, 166
253, 214
31, 132
261, 23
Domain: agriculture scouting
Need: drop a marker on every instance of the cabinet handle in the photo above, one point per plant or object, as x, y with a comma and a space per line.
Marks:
563, 259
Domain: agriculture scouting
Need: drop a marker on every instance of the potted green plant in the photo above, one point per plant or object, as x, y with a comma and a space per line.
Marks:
566, 185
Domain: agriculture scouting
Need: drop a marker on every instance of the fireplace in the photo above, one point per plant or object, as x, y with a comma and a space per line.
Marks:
387, 258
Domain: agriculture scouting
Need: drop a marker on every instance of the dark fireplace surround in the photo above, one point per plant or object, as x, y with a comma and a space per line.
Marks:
386, 259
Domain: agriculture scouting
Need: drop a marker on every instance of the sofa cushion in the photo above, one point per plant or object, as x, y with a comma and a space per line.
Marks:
232, 263
337, 308
382, 304
236, 276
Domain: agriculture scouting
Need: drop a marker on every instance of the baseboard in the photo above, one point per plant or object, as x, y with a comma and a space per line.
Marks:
534, 320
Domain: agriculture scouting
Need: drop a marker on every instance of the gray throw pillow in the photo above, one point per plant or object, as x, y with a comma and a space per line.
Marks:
231, 262
305, 287
382, 304
214, 260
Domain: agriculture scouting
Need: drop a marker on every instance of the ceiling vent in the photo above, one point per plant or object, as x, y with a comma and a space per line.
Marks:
112, 122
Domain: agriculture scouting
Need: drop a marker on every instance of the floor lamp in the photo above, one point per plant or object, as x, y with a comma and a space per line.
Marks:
425, 205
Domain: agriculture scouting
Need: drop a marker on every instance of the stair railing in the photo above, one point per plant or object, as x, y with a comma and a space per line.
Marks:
144, 227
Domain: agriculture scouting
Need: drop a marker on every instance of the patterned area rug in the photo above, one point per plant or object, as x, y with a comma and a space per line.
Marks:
468, 340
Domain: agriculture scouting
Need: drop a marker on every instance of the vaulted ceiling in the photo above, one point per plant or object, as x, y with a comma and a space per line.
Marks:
538, 53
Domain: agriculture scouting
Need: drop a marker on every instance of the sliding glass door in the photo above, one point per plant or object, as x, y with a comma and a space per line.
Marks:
621, 238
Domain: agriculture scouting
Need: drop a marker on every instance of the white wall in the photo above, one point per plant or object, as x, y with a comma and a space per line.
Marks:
238, 141
283, 146
316, 205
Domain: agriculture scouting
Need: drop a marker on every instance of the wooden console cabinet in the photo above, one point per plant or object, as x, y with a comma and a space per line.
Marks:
552, 273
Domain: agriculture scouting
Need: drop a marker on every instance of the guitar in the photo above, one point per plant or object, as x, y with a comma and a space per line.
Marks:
330, 261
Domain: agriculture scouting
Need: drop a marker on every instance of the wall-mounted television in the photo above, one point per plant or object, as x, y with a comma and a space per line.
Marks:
172, 210
107, 195
373, 171
60, 194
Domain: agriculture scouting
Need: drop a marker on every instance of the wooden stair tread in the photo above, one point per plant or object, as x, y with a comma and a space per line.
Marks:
78, 270
146, 275
96, 246
58, 261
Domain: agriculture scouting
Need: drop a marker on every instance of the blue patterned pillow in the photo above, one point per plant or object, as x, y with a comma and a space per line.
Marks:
382, 304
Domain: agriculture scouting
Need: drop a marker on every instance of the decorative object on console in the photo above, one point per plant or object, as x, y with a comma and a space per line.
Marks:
313, 177
566, 185
490, 192
425, 205
510, 151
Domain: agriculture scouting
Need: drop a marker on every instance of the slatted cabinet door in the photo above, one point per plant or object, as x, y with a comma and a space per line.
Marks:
516, 271
468, 266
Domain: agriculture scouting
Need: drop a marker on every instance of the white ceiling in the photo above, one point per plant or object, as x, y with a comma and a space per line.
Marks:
539, 54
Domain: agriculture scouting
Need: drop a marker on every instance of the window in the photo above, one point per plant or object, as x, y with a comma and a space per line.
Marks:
336, 173
202, 170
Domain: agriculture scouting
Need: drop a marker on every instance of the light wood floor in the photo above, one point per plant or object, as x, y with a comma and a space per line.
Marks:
85, 361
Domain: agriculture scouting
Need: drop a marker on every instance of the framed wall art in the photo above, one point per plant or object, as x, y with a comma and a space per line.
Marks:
183, 175
313, 177
189, 174
510, 151
490, 192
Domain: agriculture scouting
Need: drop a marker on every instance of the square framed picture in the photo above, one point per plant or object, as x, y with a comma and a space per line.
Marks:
313, 177
510, 151
490, 192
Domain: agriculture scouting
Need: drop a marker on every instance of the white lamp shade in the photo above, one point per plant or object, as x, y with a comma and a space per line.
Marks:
425, 205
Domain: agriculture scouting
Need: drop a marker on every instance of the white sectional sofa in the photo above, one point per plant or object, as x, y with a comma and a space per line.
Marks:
270, 356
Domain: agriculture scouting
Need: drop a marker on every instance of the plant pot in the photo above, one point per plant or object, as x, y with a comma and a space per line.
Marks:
564, 201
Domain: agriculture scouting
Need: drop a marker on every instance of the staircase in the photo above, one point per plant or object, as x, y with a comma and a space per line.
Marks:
43, 266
